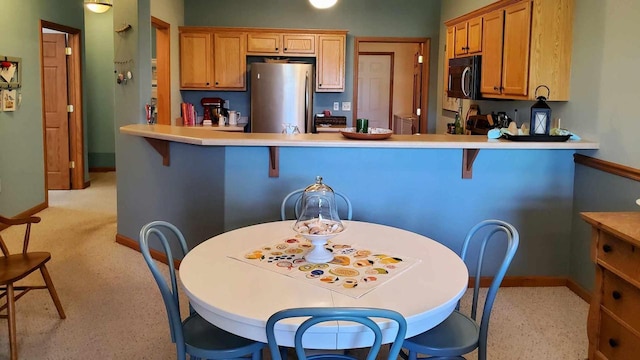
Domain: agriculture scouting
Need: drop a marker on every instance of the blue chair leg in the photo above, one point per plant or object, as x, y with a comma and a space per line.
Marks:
256, 355
283, 352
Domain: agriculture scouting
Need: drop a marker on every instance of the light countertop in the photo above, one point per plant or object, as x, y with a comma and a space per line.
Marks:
206, 137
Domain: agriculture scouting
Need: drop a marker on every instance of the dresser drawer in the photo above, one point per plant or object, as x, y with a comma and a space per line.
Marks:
622, 299
615, 341
618, 256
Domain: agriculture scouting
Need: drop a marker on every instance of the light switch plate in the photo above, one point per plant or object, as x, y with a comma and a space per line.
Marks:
336, 106
346, 106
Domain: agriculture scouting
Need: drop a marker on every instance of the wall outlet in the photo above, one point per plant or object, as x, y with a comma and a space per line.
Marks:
336, 106
346, 106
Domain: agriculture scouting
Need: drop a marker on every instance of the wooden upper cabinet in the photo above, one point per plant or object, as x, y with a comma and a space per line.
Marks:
264, 43
515, 53
468, 37
260, 43
215, 58
551, 47
525, 44
196, 65
230, 61
491, 67
304, 44
330, 63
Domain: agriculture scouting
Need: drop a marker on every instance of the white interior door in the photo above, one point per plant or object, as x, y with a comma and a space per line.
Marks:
374, 89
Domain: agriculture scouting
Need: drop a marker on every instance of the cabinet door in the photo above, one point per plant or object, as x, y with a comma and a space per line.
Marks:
474, 36
447, 102
330, 63
230, 62
491, 77
263, 43
515, 58
461, 39
299, 44
196, 65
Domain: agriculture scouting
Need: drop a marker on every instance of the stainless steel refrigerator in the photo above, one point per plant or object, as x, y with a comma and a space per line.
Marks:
281, 94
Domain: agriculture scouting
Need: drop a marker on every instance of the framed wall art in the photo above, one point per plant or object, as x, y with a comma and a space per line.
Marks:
10, 72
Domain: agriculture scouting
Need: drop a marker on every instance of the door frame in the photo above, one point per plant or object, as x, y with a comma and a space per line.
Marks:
391, 56
74, 89
425, 48
163, 69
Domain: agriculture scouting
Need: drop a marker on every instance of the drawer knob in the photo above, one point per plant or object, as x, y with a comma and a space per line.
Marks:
613, 343
606, 248
616, 295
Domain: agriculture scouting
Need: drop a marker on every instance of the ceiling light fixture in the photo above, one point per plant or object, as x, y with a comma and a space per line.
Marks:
98, 6
323, 4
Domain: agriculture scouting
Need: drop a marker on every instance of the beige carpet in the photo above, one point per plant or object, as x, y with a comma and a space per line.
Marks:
114, 309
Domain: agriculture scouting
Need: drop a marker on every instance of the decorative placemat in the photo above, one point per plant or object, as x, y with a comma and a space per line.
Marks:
354, 270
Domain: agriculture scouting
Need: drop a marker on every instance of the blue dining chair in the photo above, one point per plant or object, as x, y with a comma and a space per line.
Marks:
319, 315
460, 334
298, 203
194, 335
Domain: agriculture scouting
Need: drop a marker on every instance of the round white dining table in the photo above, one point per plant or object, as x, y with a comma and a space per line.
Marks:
239, 297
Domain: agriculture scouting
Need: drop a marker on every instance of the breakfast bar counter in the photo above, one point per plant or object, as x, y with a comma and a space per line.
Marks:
159, 136
209, 182
202, 136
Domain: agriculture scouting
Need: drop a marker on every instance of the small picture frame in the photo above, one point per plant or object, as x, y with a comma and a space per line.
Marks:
9, 100
10, 72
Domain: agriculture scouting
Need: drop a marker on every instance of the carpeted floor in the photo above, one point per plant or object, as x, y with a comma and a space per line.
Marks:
114, 309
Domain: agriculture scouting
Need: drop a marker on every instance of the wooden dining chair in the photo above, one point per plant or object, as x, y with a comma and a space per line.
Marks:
319, 315
194, 335
460, 334
298, 202
14, 267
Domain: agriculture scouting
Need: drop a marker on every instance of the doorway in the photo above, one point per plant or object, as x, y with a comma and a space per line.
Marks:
409, 76
160, 64
376, 88
61, 88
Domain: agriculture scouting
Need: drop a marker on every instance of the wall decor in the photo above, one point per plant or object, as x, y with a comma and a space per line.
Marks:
9, 100
10, 72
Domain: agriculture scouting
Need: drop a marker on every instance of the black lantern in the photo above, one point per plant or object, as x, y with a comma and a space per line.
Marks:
540, 115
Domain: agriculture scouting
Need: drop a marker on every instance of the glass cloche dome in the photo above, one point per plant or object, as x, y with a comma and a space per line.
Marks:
318, 221
319, 211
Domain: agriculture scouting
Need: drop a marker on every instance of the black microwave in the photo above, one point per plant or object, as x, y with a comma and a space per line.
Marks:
464, 78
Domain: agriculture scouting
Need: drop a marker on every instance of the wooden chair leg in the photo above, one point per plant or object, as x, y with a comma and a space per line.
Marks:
52, 291
11, 319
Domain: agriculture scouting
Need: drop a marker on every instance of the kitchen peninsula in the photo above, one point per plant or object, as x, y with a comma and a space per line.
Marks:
219, 181
471, 144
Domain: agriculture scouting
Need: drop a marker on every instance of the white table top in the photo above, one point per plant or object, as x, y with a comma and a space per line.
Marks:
240, 297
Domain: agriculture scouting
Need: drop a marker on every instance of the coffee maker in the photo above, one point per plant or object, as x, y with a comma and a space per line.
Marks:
213, 110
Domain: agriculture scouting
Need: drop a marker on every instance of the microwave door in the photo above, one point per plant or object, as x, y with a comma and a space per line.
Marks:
455, 79
465, 82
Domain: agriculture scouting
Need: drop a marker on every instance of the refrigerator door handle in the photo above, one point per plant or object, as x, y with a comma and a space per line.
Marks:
308, 123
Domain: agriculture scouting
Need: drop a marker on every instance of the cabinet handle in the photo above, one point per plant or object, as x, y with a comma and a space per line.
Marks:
276, 49
496, 88
216, 83
616, 295
285, 49
606, 248
207, 84
613, 343
320, 85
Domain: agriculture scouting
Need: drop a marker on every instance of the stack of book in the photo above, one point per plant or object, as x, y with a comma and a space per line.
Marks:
189, 115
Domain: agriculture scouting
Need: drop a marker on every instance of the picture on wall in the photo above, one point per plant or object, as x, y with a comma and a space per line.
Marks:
10, 72
9, 98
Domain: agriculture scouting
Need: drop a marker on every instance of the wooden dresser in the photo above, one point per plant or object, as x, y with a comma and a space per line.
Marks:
614, 316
